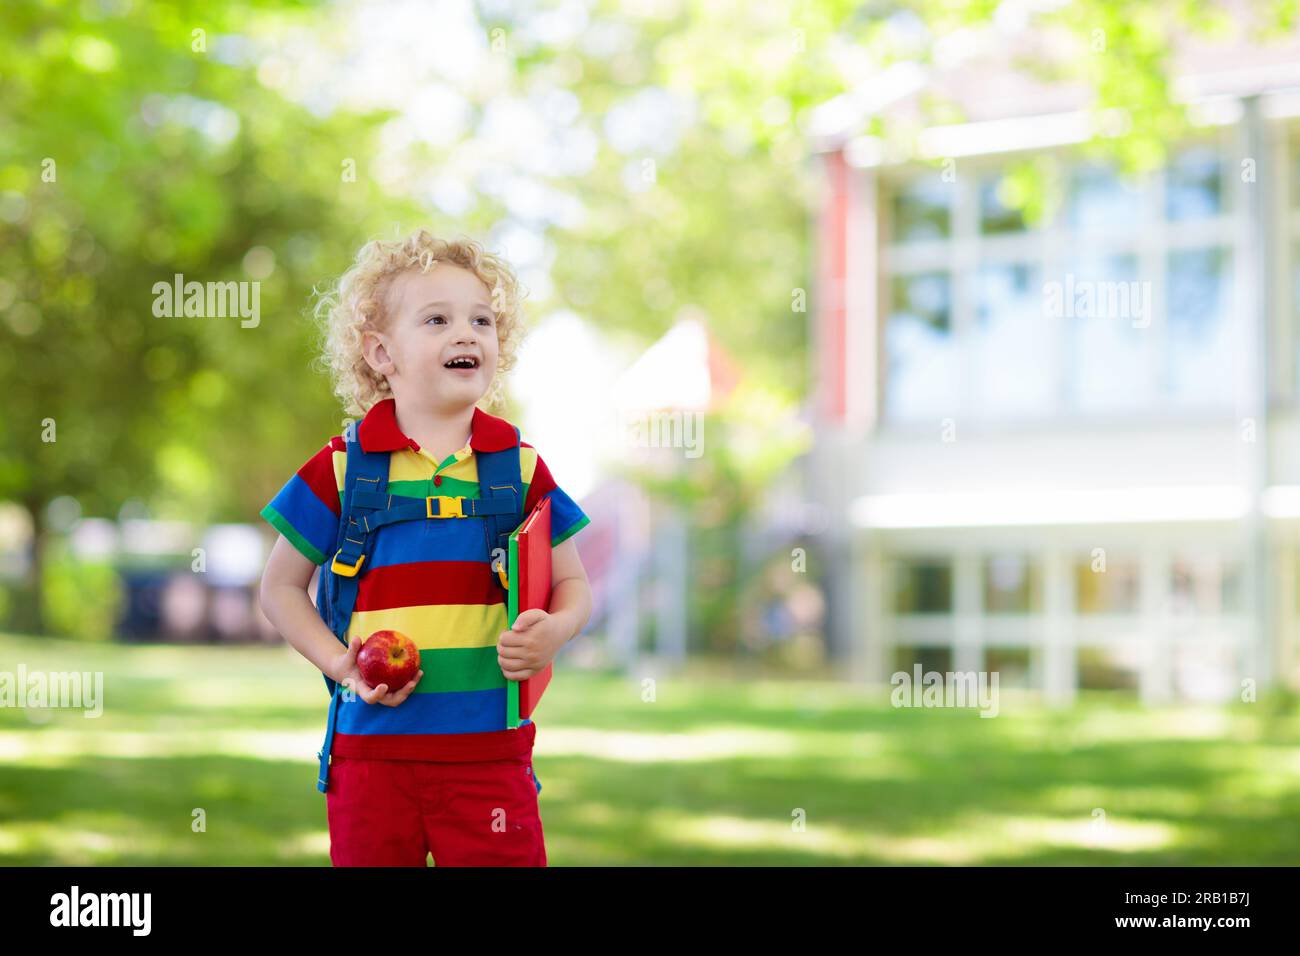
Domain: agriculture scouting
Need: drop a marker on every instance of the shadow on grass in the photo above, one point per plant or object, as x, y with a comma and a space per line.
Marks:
707, 773
735, 811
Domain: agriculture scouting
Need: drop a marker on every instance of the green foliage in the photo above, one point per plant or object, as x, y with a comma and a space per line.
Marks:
130, 153
81, 599
1120, 52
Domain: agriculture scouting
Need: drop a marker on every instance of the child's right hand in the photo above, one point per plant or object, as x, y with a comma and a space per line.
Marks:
346, 672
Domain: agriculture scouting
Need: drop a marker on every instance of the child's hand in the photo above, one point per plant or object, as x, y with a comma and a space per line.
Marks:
348, 674
529, 645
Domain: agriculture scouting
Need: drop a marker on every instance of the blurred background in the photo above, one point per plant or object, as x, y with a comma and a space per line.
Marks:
872, 337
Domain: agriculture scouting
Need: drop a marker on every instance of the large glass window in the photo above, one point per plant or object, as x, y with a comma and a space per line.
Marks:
1194, 185
1015, 666
923, 209
922, 586
1107, 668
1108, 327
1199, 337
931, 659
1012, 585
996, 215
1205, 585
1121, 302
1100, 199
923, 374
1112, 590
1012, 347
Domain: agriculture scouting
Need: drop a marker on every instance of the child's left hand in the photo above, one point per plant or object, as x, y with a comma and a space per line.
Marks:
530, 644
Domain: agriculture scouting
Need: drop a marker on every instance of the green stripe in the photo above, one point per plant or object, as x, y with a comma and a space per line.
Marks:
460, 668
573, 529
425, 487
282, 525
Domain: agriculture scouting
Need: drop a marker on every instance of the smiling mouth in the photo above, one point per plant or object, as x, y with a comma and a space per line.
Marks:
465, 363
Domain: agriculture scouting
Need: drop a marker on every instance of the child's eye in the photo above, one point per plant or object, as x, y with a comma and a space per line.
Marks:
432, 317
486, 319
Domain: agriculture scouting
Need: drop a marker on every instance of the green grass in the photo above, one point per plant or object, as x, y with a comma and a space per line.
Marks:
708, 772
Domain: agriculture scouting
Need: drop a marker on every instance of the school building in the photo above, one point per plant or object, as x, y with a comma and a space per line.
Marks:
1067, 450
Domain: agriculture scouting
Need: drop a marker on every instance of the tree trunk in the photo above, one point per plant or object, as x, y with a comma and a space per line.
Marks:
28, 613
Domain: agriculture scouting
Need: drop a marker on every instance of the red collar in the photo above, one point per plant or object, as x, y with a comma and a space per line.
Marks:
378, 431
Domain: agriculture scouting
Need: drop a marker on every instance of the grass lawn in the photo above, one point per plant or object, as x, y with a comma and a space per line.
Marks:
709, 772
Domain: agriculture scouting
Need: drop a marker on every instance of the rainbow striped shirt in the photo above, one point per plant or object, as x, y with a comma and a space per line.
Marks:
432, 580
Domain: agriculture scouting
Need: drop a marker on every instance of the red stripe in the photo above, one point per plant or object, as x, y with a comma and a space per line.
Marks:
318, 473
832, 317
418, 583
486, 745
541, 486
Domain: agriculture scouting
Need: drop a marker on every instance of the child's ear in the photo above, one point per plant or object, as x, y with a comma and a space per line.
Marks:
375, 354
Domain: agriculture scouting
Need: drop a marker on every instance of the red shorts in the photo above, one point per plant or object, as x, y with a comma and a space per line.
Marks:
397, 812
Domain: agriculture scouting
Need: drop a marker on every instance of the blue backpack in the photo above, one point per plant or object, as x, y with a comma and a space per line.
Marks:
367, 506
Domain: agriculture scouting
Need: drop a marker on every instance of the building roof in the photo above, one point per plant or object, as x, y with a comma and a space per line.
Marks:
686, 368
1003, 78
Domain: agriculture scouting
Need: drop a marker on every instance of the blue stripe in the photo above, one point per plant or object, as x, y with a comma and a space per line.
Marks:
453, 712
430, 539
565, 513
310, 516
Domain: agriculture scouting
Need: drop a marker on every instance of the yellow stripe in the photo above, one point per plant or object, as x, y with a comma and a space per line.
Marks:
340, 466
410, 465
466, 469
527, 463
435, 626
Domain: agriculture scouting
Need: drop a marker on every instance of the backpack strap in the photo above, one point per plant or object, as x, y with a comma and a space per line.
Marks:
500, 482
336, 592
365, 490
447, 506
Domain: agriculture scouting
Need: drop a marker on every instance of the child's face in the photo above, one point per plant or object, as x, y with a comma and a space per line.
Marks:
433, 318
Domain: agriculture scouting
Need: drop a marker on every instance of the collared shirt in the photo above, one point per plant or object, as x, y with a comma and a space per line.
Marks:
432, 580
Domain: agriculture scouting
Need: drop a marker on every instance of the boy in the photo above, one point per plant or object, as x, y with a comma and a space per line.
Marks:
415, 333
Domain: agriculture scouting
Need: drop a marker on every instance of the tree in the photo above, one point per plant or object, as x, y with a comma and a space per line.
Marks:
135, 146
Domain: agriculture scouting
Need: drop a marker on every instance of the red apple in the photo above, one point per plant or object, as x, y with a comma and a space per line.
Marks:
388, 657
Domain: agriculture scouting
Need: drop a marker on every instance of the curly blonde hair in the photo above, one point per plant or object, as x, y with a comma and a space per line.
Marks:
356, 303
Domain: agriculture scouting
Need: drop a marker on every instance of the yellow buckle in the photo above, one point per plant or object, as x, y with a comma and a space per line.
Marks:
448, 506
348, 571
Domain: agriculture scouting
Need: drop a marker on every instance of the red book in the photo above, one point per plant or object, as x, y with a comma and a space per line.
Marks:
528, 571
